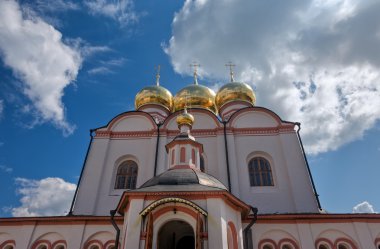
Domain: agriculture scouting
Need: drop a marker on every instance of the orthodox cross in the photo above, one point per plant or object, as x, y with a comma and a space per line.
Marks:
195, 66
231, 66
157, 68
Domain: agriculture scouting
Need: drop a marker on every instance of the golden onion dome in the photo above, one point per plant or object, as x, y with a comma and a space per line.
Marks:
185, 118
234, 91
195, 96
156, 95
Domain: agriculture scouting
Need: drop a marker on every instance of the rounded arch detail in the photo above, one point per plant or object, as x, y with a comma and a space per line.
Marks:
266, 111
234, 237
120, 117
173, 116
8, 244
325, 242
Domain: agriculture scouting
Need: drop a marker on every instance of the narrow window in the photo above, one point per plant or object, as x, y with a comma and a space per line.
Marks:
126, 175
182, 157
173, 154
260, 173
202, 164
193, 156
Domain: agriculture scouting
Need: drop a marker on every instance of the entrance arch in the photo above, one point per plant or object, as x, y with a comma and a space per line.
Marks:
176, 234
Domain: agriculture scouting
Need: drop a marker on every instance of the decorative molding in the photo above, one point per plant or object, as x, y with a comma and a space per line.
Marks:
155, 204
322, 241
8, 243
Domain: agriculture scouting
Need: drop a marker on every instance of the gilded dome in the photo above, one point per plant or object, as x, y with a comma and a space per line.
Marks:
156, 95
234, 91
195, 96
185, 118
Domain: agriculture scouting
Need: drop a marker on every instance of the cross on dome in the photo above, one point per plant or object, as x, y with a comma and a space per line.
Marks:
231, 66
157, 68
195, 66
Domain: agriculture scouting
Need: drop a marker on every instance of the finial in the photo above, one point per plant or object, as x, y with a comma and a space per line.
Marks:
157, 68
195, 66
231, 66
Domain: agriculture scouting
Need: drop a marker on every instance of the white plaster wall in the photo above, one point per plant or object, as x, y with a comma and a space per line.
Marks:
292, 191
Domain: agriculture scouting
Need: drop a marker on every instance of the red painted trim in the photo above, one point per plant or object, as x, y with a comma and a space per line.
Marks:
256, 109
63, 242
234, 234
317, 218
224, 194
171, 208
41, 242
109, 243
124, 115
92, 242
156, 106
191, 110
231, 103
182, 155
377, 241
123, 134
10, 242
267, 241
191, 142
288, 241
344, 240
322, 241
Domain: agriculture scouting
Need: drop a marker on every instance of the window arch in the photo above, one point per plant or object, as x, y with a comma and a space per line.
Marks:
260, 173
323, 246
126, 175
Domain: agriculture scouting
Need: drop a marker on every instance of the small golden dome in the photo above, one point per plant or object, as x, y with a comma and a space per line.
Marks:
234, 91
156, 95
195, 96
185, 118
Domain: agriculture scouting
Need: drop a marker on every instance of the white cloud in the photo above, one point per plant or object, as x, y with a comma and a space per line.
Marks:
46, 197
363, 207
55, 5
35, 52
120, 10
5, 168
99, 70
311, 61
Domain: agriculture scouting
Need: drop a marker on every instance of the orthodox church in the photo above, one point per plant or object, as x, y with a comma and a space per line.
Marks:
195, 171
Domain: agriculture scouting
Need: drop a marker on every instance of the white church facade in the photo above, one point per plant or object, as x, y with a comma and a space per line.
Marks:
198, 170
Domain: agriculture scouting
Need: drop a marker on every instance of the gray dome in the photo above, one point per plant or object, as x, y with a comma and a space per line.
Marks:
183, 179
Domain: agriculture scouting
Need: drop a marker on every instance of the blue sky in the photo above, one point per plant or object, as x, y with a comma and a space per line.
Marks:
68, 67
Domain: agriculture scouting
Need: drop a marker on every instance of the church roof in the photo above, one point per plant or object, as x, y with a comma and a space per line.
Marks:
187, 179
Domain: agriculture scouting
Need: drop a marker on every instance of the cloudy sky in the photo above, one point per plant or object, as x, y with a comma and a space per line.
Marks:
70, 66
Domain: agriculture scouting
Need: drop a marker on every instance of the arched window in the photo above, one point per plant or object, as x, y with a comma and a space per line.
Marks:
126, 175
322, 247
202, 163
267, 247
260, 173
343, 246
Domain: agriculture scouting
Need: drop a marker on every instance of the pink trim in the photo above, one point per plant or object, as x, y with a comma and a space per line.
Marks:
231, 103
255, 109
182, 157
41, 242
108, 243
267, 241
344, 240
288, 241
322, 241
8, 243
377, 242
93, 242
122, 116
204, 111
173, 156
123, 134
156, 106
234, 235
193, 156
63, 242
